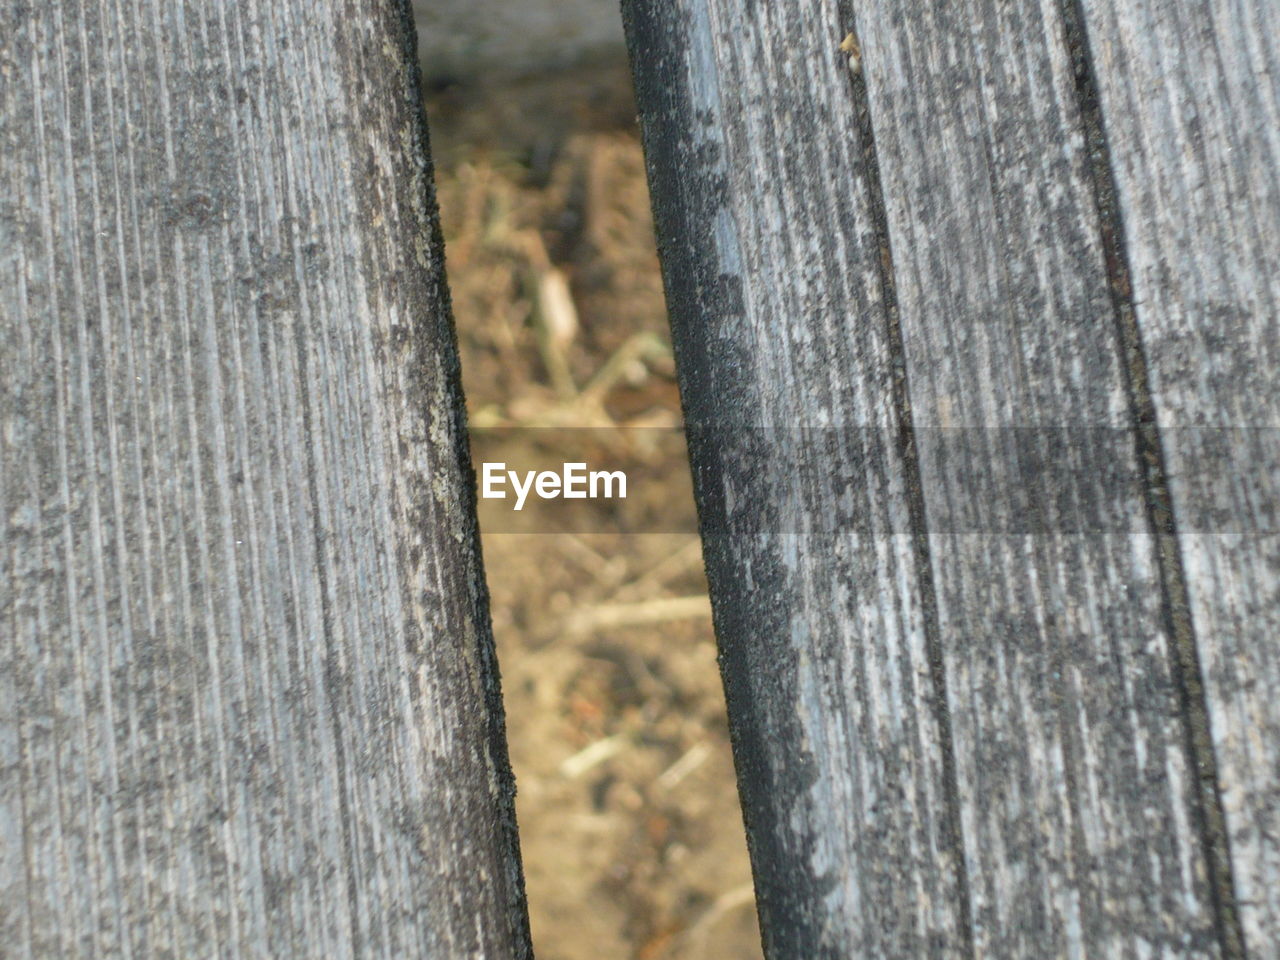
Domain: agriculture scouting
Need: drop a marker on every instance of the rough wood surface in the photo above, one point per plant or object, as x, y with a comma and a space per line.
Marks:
1189, 96
965, 706
248, 705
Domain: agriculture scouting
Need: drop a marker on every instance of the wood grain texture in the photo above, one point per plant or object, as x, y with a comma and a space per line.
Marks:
768, 267
1189, 95
949, 637
249, 703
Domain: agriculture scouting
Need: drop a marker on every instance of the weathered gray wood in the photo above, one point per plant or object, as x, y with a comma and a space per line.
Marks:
248, 704
1190, 102
827, 673
964, 715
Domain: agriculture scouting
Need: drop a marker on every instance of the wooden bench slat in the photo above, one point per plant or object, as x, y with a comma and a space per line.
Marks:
1078, 795
974, 741
773, 282
1190, 101
249, 700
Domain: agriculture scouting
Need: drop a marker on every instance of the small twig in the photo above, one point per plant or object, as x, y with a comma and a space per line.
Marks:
610, 615
693, 758
637, 347
591, 755
556, 324
688, 557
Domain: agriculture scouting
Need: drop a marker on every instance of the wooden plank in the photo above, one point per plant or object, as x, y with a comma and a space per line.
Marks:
249, 700
838, 736
1189, 102
959, 713
1085, 831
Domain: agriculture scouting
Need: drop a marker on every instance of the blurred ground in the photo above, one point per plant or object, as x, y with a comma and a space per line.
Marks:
467, 39
629, 819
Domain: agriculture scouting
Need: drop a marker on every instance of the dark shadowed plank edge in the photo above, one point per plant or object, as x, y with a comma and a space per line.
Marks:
787, 617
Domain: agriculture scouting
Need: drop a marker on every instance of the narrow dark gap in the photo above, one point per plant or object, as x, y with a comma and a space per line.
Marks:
629, 819
1208, 812
915, 492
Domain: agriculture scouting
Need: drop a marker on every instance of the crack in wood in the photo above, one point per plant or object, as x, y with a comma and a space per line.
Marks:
1185, 662
911, 463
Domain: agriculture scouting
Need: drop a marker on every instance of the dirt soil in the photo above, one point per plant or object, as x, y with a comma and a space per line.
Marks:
630, 825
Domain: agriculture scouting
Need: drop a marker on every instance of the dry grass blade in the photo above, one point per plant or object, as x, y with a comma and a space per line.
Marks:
610, 616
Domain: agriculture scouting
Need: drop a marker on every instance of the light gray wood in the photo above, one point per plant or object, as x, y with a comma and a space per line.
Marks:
1082, 804
964, 716
248, 703
1190, 101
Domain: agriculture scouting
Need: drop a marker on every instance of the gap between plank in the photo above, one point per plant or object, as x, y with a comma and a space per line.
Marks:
953, 834
1176, 603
